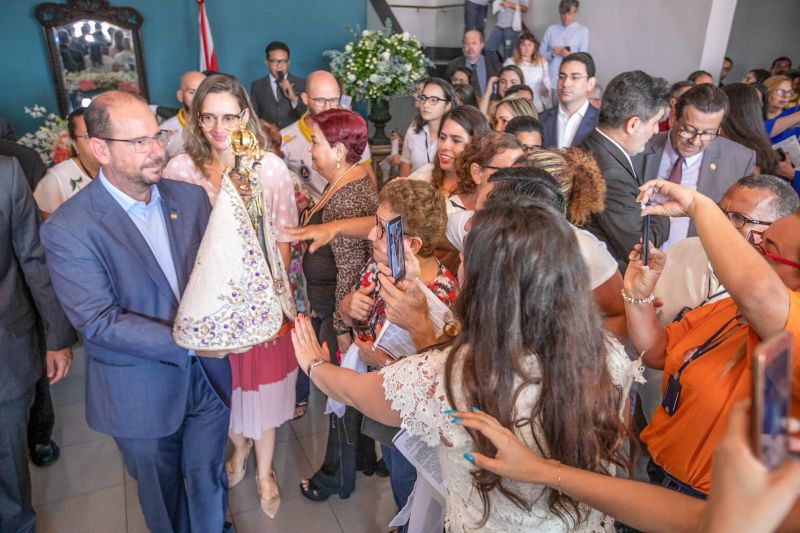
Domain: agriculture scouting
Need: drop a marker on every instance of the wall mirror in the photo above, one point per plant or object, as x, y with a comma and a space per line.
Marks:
92, 47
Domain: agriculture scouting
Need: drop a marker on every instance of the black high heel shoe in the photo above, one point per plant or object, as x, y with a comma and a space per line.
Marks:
319, 494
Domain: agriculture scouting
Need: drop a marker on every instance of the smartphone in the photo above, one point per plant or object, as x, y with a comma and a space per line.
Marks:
365, 333
568, 49
646, 240
345, 101
394, 248
494, 88
781, 154
771, 394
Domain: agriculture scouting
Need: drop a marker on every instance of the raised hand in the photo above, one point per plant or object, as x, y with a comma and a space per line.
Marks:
318, 234
666, 198
306, 345
640, 280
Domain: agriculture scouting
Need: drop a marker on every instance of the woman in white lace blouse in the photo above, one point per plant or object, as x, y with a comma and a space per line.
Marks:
531, 352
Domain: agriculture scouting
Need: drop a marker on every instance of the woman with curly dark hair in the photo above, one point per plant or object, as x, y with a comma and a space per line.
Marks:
556, 380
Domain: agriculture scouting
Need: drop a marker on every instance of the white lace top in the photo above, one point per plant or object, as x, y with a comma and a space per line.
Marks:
415, 386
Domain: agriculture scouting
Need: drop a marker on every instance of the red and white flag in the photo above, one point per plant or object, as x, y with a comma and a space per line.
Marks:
208, 58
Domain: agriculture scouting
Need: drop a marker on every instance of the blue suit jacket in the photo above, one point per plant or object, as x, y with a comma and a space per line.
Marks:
116, 295
549, 120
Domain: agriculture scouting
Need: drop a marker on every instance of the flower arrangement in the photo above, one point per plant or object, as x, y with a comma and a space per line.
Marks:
379, 64
51, 140
91, 81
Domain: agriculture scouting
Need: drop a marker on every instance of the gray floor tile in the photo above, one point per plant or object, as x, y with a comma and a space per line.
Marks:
70, 390
369, 508
295, 516
71, 427
101, 510
83, 468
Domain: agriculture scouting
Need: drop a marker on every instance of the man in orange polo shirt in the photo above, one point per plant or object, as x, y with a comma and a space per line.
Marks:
706, 357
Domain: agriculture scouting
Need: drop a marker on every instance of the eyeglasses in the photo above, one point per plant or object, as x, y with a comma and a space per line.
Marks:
208, 120
756, 238
530, 148
739, 220
433, 100
326, 102
783, 92
690, 134
382, 229
278, 61
84, 136
142, 145
572, 77
490, 167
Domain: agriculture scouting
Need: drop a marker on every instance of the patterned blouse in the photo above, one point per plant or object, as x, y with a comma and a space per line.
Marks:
444, 286
355, 199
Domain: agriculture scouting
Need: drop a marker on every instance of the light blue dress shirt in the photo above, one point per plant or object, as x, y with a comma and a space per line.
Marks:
576, 36
149, 220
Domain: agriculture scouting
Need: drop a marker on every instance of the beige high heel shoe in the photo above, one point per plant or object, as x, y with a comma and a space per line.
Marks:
270, 501
236, 476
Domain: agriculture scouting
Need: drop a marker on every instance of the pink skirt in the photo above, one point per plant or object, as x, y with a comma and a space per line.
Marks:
263, 387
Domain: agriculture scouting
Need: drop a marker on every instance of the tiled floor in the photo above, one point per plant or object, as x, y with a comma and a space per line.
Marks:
88, 490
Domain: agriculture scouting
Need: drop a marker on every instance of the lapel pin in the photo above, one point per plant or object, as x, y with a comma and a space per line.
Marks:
173, 216
712, 166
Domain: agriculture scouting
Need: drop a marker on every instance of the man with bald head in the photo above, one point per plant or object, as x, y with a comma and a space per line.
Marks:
120, 253
322, 92
190, 81
482, 66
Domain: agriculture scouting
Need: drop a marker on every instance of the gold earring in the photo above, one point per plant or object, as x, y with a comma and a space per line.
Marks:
338, 162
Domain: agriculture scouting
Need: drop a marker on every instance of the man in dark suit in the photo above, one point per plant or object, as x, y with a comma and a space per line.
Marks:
693, 154
32, 165
275, 96
120, 253
482, 66
568, 123
633, 104
27, 304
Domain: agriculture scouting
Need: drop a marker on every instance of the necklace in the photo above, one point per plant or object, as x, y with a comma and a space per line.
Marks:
83, 167
325, 197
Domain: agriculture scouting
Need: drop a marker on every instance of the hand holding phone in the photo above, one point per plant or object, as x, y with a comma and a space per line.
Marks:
394, 248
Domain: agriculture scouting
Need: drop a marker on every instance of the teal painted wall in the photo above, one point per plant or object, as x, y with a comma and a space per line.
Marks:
240, 28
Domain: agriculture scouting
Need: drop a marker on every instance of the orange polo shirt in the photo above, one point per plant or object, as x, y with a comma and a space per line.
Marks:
682, 444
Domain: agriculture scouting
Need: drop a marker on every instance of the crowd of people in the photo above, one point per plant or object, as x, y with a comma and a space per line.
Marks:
521, 186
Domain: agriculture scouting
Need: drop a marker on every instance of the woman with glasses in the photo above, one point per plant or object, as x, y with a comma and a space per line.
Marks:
338, 140
707, 355
535, 69
264, 376
419, 144
422, 210
782, 124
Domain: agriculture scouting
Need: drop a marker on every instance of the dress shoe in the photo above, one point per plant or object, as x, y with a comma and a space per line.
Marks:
268, 500
45, 453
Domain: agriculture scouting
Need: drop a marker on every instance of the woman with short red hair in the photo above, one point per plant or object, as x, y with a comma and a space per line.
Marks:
338, 139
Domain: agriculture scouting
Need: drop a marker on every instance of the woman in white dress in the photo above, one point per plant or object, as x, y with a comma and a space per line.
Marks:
535, 68
66, 179
531, 353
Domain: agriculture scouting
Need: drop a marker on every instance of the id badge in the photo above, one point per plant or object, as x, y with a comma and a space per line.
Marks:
671, 396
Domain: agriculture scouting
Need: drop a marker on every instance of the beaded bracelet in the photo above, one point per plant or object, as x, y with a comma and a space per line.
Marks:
637, 301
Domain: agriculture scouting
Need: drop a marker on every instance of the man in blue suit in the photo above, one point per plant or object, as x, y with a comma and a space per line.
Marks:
120, 253
568, 123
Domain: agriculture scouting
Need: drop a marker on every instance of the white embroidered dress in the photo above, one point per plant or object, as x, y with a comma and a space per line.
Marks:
416, 388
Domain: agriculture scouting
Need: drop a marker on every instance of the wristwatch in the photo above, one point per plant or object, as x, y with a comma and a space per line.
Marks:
313, 364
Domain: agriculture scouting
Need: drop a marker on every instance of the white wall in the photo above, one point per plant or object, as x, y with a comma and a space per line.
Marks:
763, 30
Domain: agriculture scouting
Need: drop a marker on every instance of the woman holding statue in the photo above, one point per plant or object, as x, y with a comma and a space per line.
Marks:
264, 376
